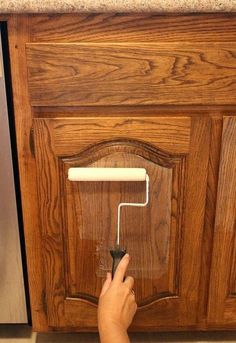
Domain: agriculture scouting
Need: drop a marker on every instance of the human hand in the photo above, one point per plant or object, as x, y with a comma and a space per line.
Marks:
117, 305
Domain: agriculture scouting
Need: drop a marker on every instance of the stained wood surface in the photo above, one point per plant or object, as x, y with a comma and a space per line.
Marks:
207, 111
76, 243
132, 27
148, 234
212, 183
71, 134
215, 35
18, 36
222, 303
131, 74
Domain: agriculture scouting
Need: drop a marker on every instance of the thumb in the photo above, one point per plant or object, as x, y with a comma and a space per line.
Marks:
106, 284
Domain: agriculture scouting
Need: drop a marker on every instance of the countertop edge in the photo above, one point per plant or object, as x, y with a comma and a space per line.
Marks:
117, 6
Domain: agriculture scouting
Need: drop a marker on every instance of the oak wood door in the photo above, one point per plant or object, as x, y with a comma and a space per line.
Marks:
222, 295
78, 220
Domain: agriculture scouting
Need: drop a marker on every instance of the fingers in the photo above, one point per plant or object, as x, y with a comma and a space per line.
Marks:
129, 282
106, 284
121, 269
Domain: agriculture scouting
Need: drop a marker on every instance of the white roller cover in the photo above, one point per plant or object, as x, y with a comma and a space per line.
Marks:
107, 174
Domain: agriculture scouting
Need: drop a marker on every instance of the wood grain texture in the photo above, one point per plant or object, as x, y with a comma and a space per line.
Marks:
186, 61
134, 28
222, 303
71, 133
50, 226
192, 230
18, 36
61, 248
135, 111
212, 183
131, 74
149, 234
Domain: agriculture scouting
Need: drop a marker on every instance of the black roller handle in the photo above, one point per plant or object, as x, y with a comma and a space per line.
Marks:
117, 255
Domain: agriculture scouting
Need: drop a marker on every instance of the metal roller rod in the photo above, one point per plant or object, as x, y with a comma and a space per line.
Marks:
131, 204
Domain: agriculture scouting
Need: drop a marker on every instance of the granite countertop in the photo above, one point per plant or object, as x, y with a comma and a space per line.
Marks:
80, 6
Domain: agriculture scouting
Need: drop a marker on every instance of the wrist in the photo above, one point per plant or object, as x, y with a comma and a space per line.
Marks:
113, 332
107, 325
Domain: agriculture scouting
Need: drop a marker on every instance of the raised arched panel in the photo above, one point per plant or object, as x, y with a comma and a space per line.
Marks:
151, 234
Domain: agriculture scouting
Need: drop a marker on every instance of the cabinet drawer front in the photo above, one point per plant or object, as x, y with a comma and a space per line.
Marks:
131, 74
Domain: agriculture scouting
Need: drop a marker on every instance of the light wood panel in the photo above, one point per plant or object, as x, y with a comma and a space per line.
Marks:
131, 74
222, 302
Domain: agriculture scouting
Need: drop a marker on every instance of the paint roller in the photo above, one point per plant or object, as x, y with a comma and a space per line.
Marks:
113, 174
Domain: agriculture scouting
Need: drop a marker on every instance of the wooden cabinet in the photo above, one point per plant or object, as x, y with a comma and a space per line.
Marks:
222, 302
78, 220
128, 91
154, 73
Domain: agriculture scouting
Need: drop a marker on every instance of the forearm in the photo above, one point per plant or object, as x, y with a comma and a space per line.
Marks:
114, 334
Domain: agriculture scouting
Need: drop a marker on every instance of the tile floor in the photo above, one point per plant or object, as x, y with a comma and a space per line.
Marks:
23, 334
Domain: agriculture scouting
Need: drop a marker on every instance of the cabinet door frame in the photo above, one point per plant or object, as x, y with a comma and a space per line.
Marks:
56, 138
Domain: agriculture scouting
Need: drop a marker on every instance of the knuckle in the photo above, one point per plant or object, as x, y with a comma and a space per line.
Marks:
132, 279
129, 280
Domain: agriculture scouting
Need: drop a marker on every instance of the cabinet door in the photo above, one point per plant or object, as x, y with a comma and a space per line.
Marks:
78, 219
222, 296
